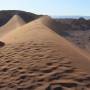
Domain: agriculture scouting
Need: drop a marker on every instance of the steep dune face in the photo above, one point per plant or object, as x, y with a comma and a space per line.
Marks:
36, 58
74, 31
15, 22
59, 28
27, 32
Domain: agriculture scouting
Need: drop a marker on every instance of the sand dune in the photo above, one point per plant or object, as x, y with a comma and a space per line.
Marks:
15, 22
34, 57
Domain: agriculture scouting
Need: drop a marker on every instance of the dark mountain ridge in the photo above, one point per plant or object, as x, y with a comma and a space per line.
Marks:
6, 15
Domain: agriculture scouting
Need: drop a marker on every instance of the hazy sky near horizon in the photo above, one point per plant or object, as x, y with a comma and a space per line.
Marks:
50, 7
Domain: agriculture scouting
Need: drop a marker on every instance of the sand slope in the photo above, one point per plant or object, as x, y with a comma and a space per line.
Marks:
36, 58
79, 37
15, 22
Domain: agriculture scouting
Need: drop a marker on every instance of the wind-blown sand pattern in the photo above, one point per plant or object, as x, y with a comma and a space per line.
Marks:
34, 57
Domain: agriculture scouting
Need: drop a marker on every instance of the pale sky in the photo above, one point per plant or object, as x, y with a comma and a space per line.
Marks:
50, 7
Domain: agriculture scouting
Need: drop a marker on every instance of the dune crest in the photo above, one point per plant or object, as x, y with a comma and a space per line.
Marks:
15, 22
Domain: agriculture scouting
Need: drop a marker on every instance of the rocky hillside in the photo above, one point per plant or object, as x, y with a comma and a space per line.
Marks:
74, 24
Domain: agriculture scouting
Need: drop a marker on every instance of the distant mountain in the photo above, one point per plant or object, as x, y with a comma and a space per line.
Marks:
71, 17
6, 15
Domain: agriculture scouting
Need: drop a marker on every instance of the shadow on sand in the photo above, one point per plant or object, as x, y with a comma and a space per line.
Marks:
1, 44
